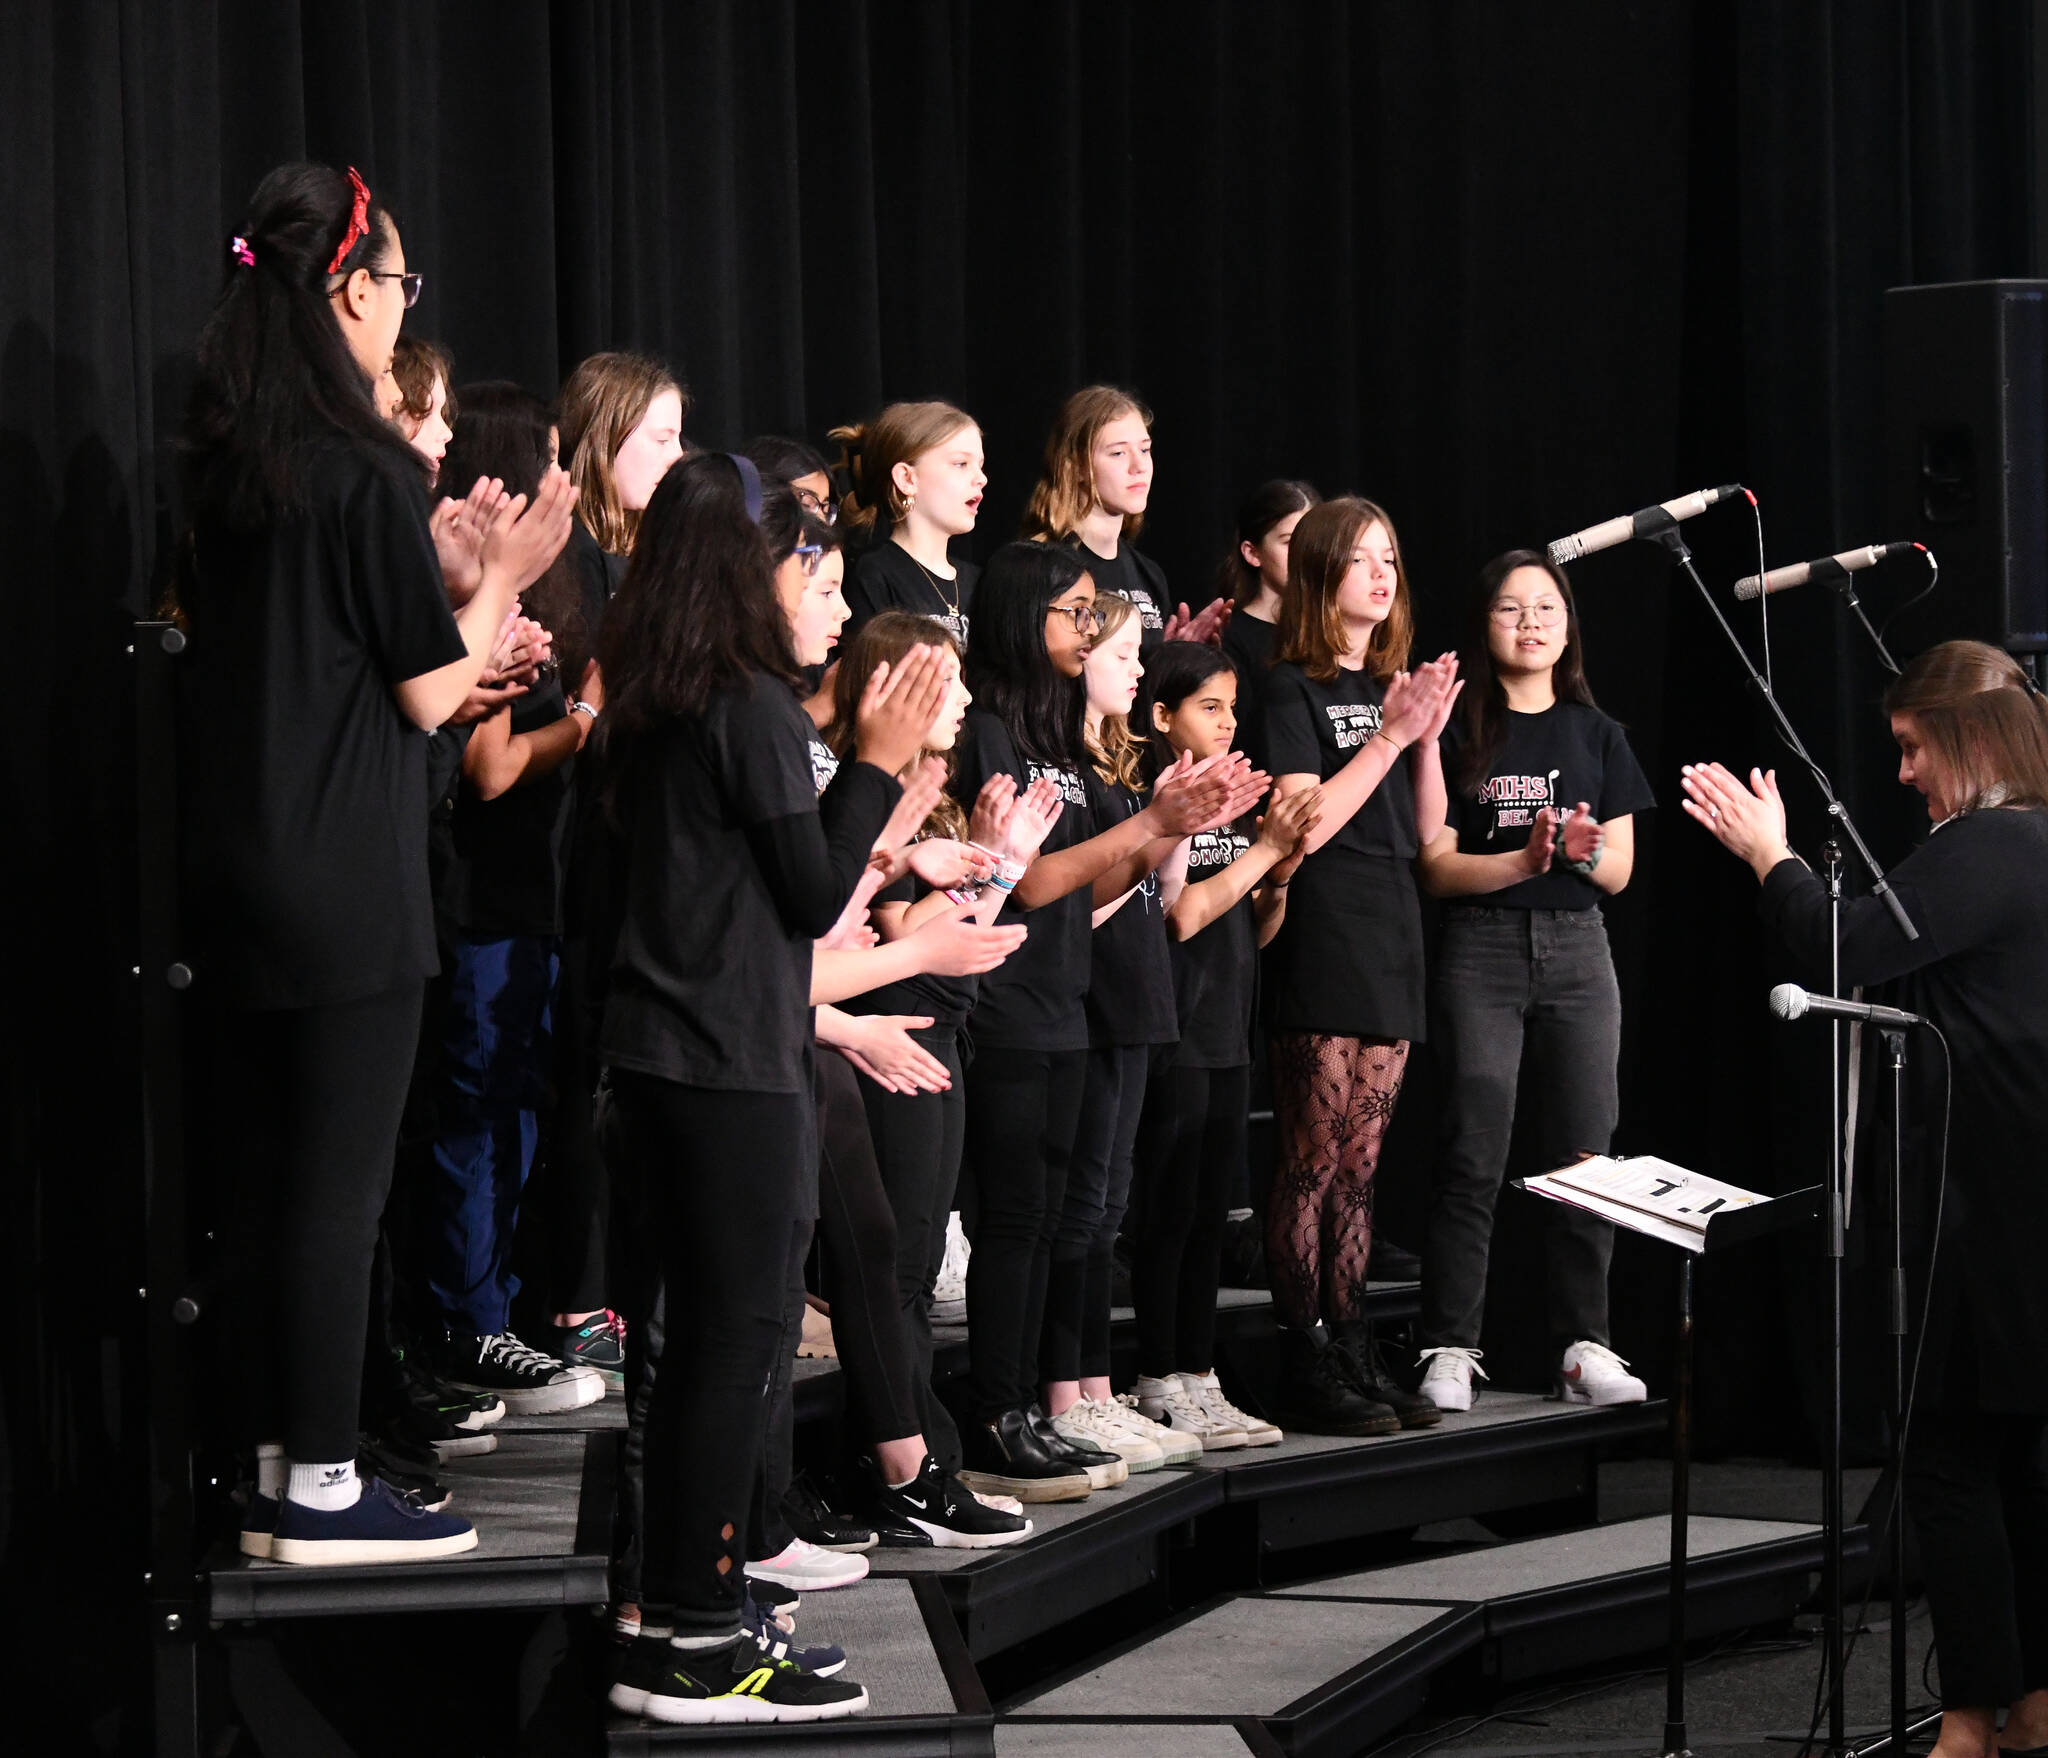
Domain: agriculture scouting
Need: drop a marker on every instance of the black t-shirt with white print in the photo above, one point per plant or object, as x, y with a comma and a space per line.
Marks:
1033, 1000
1214, 971
889, 577
824, 762
1130, 978
1315, 728
1568, 753
1136, 577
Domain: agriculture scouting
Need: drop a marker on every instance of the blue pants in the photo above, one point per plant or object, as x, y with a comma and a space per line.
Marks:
495, 1048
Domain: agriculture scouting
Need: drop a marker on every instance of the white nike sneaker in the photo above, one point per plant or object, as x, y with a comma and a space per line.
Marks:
1177, 1404
1175, 1447
1593, 1374
1257, 1431
1088, 1424
1448, 1382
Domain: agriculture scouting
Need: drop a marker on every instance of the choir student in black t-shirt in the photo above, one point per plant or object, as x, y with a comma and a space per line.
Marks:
915, 479
322, 647
1034, 622
621, 431
1543, 791
1091, 494
1346, 967
1253, 578
732, 867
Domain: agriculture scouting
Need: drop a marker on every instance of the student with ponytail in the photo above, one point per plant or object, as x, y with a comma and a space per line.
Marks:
322, 648
1253, 578
915, 479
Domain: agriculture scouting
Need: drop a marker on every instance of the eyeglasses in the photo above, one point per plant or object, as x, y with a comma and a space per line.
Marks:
412, 283
810, 554
824, 508
1087, 619
1545, 614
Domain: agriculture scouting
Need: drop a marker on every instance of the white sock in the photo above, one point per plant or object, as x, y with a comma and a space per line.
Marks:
697, 1644
330, 1488
270, 1470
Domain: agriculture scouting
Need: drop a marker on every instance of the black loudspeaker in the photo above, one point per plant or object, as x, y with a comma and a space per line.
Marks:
1966, 444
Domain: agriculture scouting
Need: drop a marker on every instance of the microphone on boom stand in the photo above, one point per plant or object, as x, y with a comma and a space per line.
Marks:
1650, 522
1836, 570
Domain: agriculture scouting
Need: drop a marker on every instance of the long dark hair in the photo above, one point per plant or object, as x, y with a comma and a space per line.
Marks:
1175, 672
1257, 514
1483, 709
275, 373
1010, 670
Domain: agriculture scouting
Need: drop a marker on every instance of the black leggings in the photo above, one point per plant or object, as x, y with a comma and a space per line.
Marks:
304, 1112
577, 1196
857, 1236
1077, 1292
725, 1177
1190, 1151
1023, 1107
917, 1139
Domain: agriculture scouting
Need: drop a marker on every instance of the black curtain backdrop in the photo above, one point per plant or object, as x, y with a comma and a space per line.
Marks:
1507, 269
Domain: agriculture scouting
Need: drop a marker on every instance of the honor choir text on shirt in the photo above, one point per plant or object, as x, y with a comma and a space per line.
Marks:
1353, 722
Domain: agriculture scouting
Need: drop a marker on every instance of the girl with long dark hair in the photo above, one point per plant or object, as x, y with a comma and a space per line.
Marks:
1972, 732
1035, 620
1344, 714
1253, 578
1543, 790
732, 867
322, 649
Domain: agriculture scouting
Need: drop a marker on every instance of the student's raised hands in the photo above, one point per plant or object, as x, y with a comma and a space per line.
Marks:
523, 539
951, 945
944, 864
992, 808
1285, 829
921, 791
1206, 626
1193, 796
1418, 703
1581, 836
1541, 848
1036, 811
898, 707
458, 529
851, 932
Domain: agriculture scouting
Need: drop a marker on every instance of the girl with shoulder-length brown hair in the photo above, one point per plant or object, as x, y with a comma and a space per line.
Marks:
915, 475
1344, 714
1972, 732
621, 429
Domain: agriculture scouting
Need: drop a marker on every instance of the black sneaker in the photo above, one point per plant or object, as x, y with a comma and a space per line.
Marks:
419, 1409
737, 1682
1005, 1457
408, 1470
1105, 1470
943, 1511
1361, 1352
598, 1342
530, 1383
1317, 1395
814, 1520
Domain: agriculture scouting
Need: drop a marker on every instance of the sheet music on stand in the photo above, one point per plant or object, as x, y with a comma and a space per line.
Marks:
1646, 1195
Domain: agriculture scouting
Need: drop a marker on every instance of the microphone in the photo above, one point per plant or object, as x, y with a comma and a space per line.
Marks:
1789, 1001
1647, 523
1829, 567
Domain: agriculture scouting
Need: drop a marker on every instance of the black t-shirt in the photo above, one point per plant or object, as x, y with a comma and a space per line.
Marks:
709, 986
1251, 644
511, 853
1033, 999
1315, 729
946, 1001
824, 763
1130, 979
1138, 578
1214, 971
305, 785
1566, 754
889, 577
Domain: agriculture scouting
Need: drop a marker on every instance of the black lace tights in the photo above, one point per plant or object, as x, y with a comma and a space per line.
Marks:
1333, 1098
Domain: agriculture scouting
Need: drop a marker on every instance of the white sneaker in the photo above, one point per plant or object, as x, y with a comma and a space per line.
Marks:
950, 1290
1175, 1448
1593, 1374
1175, 1403
1088, 1424
809, 1569
1257, 1431
1448, 1383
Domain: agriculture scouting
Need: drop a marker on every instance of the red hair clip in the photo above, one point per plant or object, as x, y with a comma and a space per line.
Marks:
239, 248
358, 220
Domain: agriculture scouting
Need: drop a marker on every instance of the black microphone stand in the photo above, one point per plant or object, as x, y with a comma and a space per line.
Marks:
1846, 587
1834, 1208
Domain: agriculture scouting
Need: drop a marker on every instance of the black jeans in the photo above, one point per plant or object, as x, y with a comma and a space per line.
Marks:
917, 1140
859, 1258
1023, 1107
577, 1198
1076, 1340
1190, 1153
301, 1109
724, 1176
1510, 981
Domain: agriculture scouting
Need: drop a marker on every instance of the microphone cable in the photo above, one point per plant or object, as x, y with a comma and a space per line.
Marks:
1933, 580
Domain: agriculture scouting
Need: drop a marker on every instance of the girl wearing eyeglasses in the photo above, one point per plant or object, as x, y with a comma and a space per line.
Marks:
1035, 621
1543, 788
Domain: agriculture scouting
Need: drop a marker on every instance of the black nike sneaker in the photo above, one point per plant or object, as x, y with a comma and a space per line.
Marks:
940, 1506
736, 1682
813, 1519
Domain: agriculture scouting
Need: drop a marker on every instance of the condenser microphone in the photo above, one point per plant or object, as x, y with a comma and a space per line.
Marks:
1647, 523
1789, 1001
1829, 567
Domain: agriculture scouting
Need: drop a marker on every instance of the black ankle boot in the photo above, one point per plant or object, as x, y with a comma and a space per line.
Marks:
1317, 1394
1353, 1339
1004, 1456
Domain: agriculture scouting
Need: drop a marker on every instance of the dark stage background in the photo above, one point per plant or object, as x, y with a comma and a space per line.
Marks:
1507, 269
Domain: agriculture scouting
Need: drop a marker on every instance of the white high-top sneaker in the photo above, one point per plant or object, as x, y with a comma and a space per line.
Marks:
1257, 1431
1089, 1424
1175, 1448
1448, 1382
1179, 1405
1593, 1374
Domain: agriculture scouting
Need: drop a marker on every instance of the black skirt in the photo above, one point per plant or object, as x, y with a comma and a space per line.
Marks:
1348, 959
